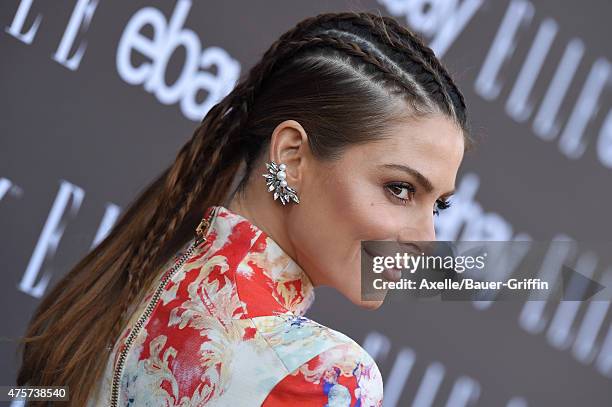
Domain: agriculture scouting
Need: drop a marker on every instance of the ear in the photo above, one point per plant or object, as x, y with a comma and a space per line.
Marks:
289, 145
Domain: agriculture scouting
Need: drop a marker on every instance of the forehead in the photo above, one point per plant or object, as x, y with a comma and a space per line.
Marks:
432, 145
436, 136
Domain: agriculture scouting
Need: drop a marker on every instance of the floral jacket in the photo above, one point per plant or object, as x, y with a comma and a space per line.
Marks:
224, 325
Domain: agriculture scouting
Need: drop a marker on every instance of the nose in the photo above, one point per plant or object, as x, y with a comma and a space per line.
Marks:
421, 229
429, 229
432, 230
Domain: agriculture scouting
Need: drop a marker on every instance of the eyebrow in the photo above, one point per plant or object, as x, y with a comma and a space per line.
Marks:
421, 179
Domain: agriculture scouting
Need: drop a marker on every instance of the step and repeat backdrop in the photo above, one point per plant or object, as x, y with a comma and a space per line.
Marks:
89, 114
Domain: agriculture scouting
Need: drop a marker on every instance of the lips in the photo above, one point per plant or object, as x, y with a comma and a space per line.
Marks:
391, 248
390, 274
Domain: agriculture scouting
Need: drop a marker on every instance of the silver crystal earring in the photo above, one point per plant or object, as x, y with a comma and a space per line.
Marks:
275, 180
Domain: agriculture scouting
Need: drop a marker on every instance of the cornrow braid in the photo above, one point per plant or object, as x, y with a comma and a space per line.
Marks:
413, 49
417, 47
170, 212
402, 40
401, 31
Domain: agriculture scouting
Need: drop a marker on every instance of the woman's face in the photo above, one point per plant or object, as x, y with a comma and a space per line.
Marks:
383, 190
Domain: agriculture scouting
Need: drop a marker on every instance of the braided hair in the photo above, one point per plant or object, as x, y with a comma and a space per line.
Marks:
343, 76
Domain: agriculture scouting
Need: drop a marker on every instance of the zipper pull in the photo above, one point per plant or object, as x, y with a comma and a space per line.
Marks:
202, 229
200, 232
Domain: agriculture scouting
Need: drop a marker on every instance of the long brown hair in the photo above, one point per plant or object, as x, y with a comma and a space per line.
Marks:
343, 76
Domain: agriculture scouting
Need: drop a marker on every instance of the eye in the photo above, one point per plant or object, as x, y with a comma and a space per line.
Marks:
441, 205
401, 191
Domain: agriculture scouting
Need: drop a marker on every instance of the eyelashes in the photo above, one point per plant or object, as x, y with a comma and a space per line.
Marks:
395, 187
442, 204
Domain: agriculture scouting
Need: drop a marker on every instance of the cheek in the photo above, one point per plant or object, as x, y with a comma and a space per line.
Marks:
326, 222
364, 209
332, 219
356, 207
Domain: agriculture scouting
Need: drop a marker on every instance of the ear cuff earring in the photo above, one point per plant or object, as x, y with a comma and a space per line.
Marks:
276, 181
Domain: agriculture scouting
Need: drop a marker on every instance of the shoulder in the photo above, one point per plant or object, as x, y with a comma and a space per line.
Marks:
324, 366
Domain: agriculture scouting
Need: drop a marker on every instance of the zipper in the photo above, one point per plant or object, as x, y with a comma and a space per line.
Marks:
201, 232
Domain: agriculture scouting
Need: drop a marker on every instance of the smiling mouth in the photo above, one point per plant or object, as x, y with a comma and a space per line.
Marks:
394, 274
390, 274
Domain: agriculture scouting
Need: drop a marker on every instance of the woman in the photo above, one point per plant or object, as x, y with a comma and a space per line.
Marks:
198, 294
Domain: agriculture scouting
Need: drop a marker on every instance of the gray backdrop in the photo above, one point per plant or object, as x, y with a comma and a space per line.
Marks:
84, 126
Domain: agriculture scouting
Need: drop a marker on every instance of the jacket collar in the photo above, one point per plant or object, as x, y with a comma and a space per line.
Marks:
267, 280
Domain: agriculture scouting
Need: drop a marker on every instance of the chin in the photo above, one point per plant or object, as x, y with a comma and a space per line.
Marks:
355, 298
370, 305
